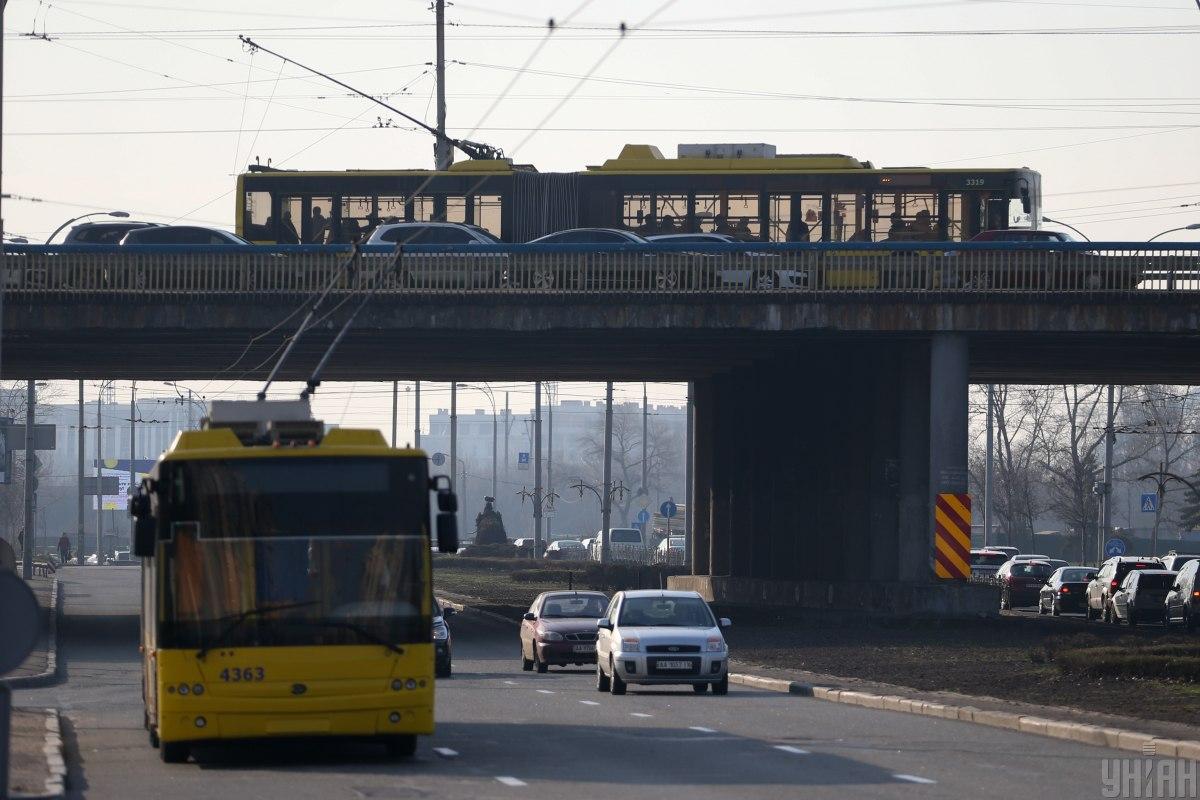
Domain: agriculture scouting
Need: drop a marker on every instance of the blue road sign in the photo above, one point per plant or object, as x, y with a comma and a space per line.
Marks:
522, 460
1114, 547
668, 509
1149, 503
438, 459
643, 516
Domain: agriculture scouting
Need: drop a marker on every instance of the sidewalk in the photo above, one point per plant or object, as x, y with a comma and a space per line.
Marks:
36, 767
41, 667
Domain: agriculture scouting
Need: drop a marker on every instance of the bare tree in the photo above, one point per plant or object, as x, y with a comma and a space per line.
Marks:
1167, 418
663, 458
1021, 414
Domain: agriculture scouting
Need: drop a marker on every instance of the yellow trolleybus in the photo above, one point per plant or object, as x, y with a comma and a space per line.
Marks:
286, 586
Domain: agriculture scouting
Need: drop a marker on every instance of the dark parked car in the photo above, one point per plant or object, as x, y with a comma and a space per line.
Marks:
1142, 596
1183, 601
1065, 590
588, 269
104, 232
1021, 581
181, 234
1108, 579
560, 629
442, 662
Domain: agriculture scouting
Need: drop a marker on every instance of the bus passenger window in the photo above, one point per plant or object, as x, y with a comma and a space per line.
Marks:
795, 218
846, 225
901, 217
391, 209
256, 219
735, 215
423, 208
456, 208
487, 213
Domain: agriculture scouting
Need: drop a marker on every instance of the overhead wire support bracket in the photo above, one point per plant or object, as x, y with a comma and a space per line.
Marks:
477, 151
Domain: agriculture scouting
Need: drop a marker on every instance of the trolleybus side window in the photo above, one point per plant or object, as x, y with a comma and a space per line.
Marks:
649, 214
729, 213
795, 217
846, 224
904, 216
487, 212
257, 221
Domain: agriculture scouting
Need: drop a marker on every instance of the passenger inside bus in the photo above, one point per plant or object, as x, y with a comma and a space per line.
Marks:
320, 225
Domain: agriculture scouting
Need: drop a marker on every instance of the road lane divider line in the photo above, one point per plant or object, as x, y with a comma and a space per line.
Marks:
509, 780
700, 729
1082, 732
446, 752
546, 691
787, 748
639, 714
913, 778
589, 702
511, 683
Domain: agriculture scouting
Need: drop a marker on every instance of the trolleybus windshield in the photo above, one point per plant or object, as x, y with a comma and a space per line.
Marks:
296, 551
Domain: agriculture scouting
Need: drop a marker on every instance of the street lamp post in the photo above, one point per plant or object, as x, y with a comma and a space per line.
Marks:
1065, 225
487, 391
121, 214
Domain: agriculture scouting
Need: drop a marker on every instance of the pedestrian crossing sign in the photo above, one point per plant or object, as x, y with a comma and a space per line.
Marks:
1149, 503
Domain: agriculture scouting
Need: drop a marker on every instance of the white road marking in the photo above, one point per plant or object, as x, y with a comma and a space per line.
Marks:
700, 729
914, 779
787, 748
643, 716
511, 683
445, 752
509, 780
589, 702
545, 691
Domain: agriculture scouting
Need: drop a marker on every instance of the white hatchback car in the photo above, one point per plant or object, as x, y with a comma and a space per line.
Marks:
655, 637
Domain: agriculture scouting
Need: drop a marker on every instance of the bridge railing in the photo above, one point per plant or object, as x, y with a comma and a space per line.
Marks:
986, 269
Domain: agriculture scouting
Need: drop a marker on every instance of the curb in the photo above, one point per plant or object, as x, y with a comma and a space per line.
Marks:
56, 765
50, 675
1118, 738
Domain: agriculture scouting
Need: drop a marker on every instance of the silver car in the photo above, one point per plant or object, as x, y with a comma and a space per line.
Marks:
656, 637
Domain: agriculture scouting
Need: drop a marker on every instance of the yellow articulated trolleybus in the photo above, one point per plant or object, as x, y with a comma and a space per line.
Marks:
286, 589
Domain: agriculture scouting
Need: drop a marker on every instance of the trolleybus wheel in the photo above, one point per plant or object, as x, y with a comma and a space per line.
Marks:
174, 752
401, 746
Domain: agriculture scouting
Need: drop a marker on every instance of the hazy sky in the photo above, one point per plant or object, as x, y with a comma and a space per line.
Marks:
152, 107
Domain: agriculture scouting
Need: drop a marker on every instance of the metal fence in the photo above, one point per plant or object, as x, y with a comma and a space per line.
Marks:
986, 269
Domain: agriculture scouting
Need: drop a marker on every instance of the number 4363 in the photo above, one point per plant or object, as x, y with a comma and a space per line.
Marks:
244, 674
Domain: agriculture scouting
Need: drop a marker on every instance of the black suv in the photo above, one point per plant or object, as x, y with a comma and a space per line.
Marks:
1108, 579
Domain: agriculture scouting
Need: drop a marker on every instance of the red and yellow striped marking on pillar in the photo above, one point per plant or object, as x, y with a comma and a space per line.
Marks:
952, 536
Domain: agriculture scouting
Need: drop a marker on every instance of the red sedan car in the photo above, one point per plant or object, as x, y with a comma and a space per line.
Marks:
560, 629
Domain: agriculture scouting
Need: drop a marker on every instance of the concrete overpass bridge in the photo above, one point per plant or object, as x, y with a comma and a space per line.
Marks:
829, 382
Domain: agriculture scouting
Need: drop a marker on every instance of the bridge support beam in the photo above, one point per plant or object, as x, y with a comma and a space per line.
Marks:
814, 477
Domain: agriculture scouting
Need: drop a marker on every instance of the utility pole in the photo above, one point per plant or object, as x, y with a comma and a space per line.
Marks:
1106, 489
645, 436
417, 416
989, 465
507, 426
537, 469
132, 448
551, 394
30, 481
443, 153
454, 443
82, 443
99, 476
395, 406
191, 424
606, 500
688, 455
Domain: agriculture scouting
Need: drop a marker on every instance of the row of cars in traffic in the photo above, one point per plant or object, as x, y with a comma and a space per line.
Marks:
1124, 589
626, 545
644, 637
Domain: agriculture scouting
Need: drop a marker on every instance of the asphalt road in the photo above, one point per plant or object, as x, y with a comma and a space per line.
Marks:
504, 733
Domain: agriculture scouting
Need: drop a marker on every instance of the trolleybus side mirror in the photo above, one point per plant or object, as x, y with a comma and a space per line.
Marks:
446, 499
447, 532
144, 528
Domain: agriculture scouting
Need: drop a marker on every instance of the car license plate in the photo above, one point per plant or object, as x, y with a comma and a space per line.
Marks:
584, 648
674, 665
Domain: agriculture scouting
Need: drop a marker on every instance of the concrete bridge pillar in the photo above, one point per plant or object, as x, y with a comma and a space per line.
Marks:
704, 431
948, 421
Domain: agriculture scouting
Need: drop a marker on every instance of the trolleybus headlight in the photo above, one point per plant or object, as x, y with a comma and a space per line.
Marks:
394, 717
201, 722
198, 689
410, 684
397, 684
183, 688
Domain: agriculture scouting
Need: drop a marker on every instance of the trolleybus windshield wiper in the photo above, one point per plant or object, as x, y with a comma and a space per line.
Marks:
350, 626
241, 617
